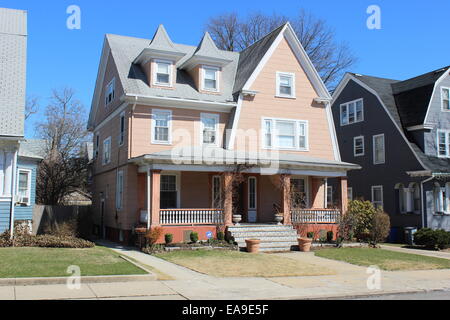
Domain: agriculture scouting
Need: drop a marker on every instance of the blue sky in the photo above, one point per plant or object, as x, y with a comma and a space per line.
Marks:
413, 38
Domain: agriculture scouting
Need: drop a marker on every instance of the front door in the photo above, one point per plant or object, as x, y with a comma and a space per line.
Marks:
252, 200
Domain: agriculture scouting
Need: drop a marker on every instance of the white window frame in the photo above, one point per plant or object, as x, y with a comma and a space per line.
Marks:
329, 204
121, 130
374, 150
274, 134
256, 193
169, 135
278, 82
213, 204
447, 143
111, 84
203, 78
155, 73
119, 190
382, 195
442, 98
216, 118
350, 193
346, 105
29, 174
177, 176
104, 160
363, 146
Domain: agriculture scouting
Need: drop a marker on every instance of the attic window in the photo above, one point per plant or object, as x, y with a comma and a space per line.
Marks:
163, 72
110, 92
285, 85
210, 78
445, 99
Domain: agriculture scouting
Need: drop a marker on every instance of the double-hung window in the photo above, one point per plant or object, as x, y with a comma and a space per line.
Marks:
352, 112
443, 137
110, 92
329, 196
285, 85
379, 154
445, 93
169, 192
377, 197
358, 146
210, 78
285, 134
163, 73
210, 129
107, 151
119, 190
24, 186
350, 194
122, 129
161, 126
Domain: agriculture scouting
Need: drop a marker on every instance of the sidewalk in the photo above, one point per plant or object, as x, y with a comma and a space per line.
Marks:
428, 253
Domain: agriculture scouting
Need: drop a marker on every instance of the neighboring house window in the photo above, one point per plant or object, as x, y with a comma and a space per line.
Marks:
350, 194
416, 198
298, 193
329, 196
110, 92
402, 198
107, 151
217, 192
122, 129
24, 187
442, 199
352, 112
161, 126
285, 85
443, 142
358, 146
119, 190
377, 196
169, 192
210, 129
210, 78
252, 193
379, 155
163, 73
97, 144
446, 99
286, 134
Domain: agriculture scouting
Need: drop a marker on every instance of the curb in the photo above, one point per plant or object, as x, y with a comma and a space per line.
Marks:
366, 294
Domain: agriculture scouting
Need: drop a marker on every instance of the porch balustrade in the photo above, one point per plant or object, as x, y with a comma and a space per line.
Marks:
315, 216
191, 216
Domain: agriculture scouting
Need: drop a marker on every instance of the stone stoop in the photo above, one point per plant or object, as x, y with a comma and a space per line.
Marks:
273, 238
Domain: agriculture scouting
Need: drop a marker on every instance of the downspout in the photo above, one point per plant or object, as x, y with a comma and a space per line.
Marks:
13, 194
424, 199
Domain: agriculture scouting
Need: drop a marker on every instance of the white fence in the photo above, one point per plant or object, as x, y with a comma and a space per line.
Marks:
315, 216
191, 216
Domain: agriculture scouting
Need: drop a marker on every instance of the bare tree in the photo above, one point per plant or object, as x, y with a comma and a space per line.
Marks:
31, 106
331, 58
64, 169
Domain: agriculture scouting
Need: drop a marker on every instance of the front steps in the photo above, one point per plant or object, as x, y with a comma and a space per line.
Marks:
273, 238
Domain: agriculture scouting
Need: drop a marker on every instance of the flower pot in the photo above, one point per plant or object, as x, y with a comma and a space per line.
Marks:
279, 219
237, 218
304, 244
253, 245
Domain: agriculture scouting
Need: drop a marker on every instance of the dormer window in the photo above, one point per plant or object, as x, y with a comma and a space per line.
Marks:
163, 73
210, 79
110, 92
285, 85
445, 99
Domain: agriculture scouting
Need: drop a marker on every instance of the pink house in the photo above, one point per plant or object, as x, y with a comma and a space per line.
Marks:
173, 124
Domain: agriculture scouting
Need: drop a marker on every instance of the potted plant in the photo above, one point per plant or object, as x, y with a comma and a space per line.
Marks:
279, 217
304, 244
253, 245
237, 218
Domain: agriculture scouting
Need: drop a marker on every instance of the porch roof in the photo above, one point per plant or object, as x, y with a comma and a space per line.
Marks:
214, 157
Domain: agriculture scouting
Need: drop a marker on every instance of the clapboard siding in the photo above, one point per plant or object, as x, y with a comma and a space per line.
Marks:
26, 213
4, 216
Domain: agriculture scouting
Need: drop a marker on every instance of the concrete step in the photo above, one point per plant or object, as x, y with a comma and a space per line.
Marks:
267, 239
256, 234
260, 229
271, 244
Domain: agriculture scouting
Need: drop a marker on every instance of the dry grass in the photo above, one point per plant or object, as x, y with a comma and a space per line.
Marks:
223, 263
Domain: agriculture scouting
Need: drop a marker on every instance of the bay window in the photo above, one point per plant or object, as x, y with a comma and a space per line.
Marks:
285, 134
352, 112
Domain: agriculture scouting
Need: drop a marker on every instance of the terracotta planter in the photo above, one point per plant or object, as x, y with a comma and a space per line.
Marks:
253, 245
304, 244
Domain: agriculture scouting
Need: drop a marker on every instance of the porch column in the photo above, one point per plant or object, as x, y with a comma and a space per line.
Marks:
155, 197
344, 194
228, 199
285, 180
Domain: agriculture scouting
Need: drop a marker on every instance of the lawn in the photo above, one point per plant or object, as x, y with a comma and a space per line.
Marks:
53, 262
225, 263
385, 259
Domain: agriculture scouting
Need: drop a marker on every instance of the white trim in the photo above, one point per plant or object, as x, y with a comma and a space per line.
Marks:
436, 84
341, 87
363, 146
382, 194
103, 151
346, 104
155, 82
13, 196
332, 129
446, 141
291, 75
177, 175
256, 194
426, 126
442, 98
169, 124
29, 173
237, 116
121, 134
384, 148
203, 77
275, 134
216, 118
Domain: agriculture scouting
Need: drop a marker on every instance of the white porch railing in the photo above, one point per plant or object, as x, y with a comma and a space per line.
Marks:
315, 216
190, 216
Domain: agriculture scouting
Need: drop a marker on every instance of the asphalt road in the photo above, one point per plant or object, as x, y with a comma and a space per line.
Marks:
431, 295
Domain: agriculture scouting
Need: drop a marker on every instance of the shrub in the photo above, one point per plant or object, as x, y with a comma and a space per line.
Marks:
220, 236
310, 235
432, 239
330, 236
5, 240
153, 235
194, 237
380, 228
168, 238
360, 215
